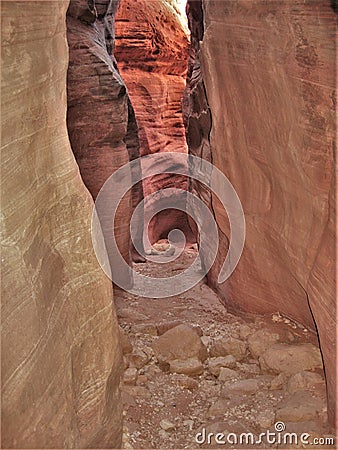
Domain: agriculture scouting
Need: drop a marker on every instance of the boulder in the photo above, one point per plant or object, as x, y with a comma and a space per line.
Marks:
291, 358
180, 343
260, 341
215, 364
190, 366
225, 346
249, 386
299, 407
226, 374
304, 380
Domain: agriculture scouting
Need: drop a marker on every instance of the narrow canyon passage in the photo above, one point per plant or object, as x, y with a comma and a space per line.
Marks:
242, 95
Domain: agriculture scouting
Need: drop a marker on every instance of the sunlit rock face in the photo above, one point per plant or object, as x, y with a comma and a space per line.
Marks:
100, 118
269, 78
60, 356
151, 49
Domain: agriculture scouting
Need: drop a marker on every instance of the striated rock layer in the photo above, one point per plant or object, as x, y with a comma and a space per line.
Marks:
269, 77
152, 52
101, 122
60, 355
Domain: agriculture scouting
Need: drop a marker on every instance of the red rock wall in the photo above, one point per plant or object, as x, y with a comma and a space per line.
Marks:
100, 118
60, 355
152, 51
269, 75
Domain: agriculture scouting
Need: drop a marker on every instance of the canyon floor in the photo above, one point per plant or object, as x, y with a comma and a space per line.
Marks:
192, 366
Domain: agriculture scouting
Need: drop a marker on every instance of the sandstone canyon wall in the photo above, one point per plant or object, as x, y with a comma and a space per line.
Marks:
60, 356
152, 50
101, 122
266, 71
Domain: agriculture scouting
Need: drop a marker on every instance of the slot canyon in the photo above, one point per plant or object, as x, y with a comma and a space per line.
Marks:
168, 93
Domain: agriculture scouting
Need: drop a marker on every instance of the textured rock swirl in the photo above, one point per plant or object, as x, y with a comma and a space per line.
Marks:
100, 118
60, 356
268, 71
151, 49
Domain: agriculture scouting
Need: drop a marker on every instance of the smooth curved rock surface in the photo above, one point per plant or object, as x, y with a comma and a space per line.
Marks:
60, 351
101, 122
269, 75
151, 49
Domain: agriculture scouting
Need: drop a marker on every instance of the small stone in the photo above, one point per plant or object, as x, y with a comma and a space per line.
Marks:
265, 419
218, 408
152, 371
226, 374
145, 328
125, 363
260, 341
186, 382
215, 364
279, 381
244, 331
130, 376
126, 344
252, 369
206, 340
190, 366
139, 392
291, 358
198, 330
163, 435
229, 346
299, 407
142, 379
166, 326
178, 344
304, 380
130, 315
189, 423
138, 359
246, 387
166, 425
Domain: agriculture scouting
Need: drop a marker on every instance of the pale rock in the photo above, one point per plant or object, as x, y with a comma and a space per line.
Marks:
246, 387
178, 344
166, 425
125, 363
166, 326
130, 315
138, 358
304, 380
261, 340
130, 376
215, 364
61, 358
291, 358
301, 406
190, 366
145, 328
226, 374
225, 346
279, 381
139, 392
206, 340
252, 369
142, 380
126, 344
186, 382
265, 419
244, 331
